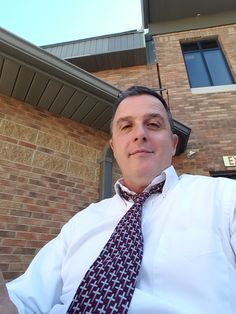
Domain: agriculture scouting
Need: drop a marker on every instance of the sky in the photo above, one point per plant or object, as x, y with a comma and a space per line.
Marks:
44, 22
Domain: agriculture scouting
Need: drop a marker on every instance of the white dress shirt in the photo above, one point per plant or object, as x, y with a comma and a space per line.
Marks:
189, 264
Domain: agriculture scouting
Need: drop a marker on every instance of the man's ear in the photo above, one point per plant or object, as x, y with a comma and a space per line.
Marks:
111, 144
175, 143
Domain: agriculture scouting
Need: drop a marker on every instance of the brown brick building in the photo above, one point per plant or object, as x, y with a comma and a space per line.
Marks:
54, 116
208, 107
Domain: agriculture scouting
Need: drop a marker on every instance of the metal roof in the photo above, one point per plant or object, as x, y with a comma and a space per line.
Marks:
33, 75
157, 11
103, 52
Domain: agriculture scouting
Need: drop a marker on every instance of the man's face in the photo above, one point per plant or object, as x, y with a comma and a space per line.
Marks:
142, 141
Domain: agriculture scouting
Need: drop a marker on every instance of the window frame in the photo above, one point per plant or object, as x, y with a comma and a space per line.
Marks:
201, 52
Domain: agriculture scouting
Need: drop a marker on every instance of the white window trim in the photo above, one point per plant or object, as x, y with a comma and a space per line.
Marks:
213, 89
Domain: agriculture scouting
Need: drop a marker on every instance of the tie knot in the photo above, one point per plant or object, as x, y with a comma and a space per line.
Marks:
140, 198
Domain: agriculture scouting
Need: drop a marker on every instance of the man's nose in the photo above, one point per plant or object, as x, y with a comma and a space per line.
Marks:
140, 133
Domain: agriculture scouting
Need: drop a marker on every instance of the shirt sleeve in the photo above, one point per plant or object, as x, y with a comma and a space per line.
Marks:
40, 287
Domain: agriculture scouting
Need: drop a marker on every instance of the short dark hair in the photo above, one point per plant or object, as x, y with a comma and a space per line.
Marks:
142, 90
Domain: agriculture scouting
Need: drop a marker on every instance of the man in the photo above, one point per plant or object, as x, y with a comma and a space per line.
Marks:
189, 228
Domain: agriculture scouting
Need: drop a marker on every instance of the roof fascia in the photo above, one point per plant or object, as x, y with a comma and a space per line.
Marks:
30, 54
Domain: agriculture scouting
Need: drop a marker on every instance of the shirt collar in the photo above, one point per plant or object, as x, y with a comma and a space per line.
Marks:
169, 175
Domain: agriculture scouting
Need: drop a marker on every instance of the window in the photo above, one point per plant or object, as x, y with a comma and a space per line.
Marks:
206, 64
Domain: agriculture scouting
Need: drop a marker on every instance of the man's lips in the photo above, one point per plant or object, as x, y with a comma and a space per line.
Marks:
140, 151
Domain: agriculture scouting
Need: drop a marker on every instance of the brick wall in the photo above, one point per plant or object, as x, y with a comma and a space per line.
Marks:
49, 170
125, 77
212, 117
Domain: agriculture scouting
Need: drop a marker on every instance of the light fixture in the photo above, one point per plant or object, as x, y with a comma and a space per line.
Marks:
191, 153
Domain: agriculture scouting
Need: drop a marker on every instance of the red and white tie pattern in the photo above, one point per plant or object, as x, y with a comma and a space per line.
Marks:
109, 284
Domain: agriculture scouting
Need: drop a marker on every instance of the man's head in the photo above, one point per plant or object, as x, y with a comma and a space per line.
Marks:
142, 140
142, 90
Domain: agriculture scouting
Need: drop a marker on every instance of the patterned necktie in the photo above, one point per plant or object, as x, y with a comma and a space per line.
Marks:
109, 284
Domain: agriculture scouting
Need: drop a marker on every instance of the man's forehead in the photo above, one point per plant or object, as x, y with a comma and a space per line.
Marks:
138, 106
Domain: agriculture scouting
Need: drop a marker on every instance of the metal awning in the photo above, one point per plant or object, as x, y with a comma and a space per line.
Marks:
104, 52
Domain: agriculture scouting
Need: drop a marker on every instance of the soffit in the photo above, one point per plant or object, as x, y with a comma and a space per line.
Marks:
155, 11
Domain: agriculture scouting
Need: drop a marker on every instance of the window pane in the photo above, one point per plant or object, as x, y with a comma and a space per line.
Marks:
196, 70
209, 44
218, 70
190, 46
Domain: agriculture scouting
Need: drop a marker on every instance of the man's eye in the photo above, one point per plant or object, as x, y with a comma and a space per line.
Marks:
154, 125
126, 126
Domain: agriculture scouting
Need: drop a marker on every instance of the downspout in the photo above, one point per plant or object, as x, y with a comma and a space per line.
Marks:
152, 58
160, 83
159, 77
106, 173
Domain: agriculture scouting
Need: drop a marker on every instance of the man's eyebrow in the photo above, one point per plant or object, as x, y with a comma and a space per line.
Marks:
146, 117
154, 116
124, 119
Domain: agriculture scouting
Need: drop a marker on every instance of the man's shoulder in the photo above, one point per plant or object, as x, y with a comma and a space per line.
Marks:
206, 180
93, 214
104, 206
105, 202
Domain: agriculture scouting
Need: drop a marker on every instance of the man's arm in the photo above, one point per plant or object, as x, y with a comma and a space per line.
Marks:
6, 306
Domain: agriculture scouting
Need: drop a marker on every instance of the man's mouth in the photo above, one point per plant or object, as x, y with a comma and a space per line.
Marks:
140, 151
